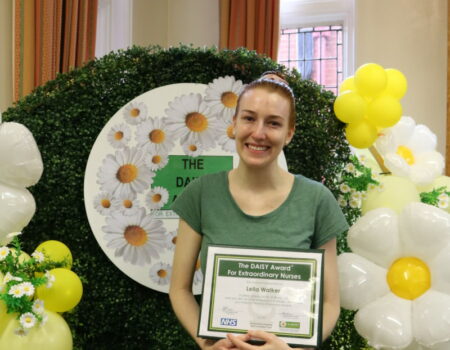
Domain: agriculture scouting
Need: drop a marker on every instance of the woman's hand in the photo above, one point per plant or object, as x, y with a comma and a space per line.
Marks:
272, 342
224, 344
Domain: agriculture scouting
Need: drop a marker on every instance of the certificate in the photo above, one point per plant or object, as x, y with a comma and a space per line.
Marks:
278, 291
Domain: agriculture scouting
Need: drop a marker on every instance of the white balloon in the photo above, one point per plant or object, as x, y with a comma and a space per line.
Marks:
360, 281
440, 271
20, 160
386, 322
375, 236
431, 318
17, 207
424, 230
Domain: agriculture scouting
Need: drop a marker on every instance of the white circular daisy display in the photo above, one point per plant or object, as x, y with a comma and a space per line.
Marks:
222, 95
398, 278
129, 188
137, 238
226, 136
119, 135
135, 112
409, 150
160, 273
153, 134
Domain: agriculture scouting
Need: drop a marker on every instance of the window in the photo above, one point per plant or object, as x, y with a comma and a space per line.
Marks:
317, 39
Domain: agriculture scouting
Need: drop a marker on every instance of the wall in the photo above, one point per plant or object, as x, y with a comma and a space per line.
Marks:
6, 35
150, 22
410, 35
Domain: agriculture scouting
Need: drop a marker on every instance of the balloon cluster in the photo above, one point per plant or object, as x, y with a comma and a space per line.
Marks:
36, 291
369, 102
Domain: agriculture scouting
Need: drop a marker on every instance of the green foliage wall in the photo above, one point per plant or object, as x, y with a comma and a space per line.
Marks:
65, 117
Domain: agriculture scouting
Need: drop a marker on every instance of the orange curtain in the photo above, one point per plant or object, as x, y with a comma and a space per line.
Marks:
51, 36
254, 24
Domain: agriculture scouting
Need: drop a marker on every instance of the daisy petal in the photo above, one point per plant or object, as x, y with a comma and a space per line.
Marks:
360, 280
431, 318
424, 230
422, 140
386, 322
375, 236
440, 271
396, 164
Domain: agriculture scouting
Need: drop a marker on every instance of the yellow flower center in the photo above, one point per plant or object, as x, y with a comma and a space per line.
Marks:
229, 99
197, 264
162, 273
157, 136
127, 203
156, 159
127, 173
118, 135
135, 235
135, 112
192, 148
174, 240
230, 131
196, 122
406, 154
156, 198
409, 278
105, 203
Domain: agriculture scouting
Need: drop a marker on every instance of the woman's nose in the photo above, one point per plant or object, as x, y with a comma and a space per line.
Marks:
259, 131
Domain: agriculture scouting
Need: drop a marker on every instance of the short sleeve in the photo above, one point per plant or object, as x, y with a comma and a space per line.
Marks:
330, 221
188, 205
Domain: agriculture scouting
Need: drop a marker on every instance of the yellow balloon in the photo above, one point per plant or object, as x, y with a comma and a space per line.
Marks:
370, 79
361, 134
384, 111
52, 335
65, 292
56, 251
347, 85
395, 193
396, 83
350, 107
409, 278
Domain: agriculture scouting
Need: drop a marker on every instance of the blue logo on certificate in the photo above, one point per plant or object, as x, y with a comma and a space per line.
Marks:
228, 321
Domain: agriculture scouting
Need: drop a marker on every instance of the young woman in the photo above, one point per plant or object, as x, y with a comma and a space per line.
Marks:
257, 204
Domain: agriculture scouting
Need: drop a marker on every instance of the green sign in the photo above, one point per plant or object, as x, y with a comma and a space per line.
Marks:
181, 170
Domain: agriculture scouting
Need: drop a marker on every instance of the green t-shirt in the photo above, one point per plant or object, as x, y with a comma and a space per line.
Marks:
308, 218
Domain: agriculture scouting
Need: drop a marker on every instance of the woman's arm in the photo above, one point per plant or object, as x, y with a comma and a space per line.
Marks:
331, 306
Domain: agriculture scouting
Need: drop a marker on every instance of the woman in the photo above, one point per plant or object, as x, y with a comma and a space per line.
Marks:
256, 204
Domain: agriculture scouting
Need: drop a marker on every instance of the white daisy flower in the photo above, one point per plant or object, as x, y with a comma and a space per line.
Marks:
135, 112
226, 136
44, 319
342, 202
190, 118
119, 135
16, 291
350, 168
171, 240
160, 273
103, 203
137, 238
344, 188
4, 252
354, 203
8, 277
409, 150
357, 196
371, 187
443, 203
154, 135
21, 332
193, 149
126, 204
125, 172
380, 187
157, 198
38, 306
397, 277
27, 288
27, 320
443, 196
50, 279
198, 275
156, 160
38, 256
14, 234
222, 95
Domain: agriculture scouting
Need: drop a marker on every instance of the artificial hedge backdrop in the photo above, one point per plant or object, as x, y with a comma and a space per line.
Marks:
65, 117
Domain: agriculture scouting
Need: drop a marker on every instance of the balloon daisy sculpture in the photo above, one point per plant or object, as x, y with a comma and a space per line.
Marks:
32, 288
396, 275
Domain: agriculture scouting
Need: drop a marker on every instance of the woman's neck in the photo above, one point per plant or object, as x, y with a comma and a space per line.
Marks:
258, 178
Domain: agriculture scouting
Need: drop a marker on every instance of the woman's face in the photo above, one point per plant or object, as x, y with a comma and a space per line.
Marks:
261, 127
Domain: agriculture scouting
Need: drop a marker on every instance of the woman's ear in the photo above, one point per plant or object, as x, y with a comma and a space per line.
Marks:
290, 135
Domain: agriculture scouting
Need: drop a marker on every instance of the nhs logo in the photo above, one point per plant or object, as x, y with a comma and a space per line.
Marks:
228, 321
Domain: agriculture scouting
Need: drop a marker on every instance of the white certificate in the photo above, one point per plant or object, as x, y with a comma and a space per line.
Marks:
278, 291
